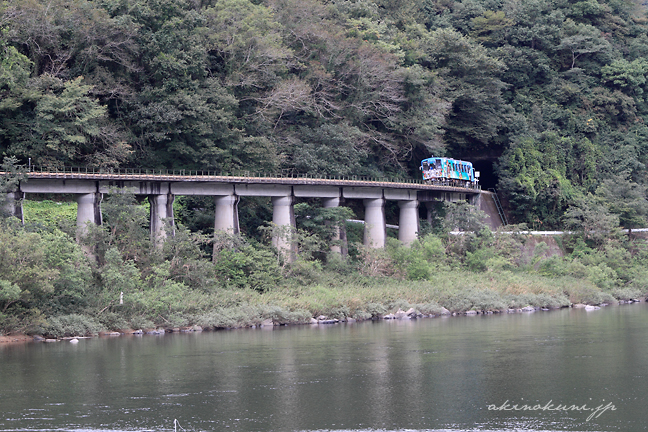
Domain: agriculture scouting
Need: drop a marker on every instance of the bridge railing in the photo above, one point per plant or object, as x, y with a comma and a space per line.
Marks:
241, 173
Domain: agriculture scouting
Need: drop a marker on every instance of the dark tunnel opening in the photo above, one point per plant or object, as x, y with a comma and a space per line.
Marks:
487, 176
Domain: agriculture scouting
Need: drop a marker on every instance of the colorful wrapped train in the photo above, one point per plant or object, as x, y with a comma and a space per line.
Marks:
450, 172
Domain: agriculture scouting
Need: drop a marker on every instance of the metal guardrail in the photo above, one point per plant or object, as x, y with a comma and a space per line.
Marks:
361, 222
548, 233
166, 174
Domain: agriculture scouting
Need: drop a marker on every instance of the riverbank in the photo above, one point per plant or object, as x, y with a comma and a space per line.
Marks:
13, 339
322, 305
410, 314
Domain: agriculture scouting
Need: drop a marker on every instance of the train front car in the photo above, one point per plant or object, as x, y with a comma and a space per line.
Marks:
447, 171
434, 170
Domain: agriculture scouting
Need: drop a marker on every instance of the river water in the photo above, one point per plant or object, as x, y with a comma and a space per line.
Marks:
454, 374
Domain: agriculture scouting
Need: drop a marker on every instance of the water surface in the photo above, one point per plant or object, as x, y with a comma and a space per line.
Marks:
430, 374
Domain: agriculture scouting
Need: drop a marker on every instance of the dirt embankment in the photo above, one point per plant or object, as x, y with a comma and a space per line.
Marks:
15, 339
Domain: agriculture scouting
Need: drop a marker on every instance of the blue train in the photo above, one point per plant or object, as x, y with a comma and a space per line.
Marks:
447, 171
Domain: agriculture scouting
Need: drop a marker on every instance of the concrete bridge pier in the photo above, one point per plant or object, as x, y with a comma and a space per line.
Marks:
408, 222
13, 205
340, 234
283, 216
225, 218
88, 211
429, 206
226, 215
161, 210
375, 231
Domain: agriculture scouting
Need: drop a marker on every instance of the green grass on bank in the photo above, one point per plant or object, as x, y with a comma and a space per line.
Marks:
458, 291
360, 298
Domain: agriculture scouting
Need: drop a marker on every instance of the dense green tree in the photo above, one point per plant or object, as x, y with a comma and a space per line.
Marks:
471, 81
490, 28
461, 216
581, 40
124, 228
626, 199
70, 128
589, 218
23, 265
14, 73
533, 172
629, 76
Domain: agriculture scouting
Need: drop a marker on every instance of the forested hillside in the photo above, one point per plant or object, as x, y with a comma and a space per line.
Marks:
546, 97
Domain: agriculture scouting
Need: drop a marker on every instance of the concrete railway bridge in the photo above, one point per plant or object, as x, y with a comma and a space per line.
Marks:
161, 187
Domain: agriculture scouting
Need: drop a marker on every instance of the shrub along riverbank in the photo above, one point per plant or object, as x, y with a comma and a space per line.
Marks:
116, 278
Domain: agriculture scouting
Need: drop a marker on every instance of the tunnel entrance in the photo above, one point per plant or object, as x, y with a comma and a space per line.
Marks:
487, 179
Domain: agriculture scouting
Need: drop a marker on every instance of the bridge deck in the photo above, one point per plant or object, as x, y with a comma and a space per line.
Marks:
402, 184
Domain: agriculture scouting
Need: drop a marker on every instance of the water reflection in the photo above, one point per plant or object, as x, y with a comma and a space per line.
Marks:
435, 374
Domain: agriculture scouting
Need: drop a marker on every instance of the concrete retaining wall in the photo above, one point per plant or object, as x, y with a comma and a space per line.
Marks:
487, 205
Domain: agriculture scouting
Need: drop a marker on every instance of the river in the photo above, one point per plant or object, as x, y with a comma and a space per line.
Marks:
454, 374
